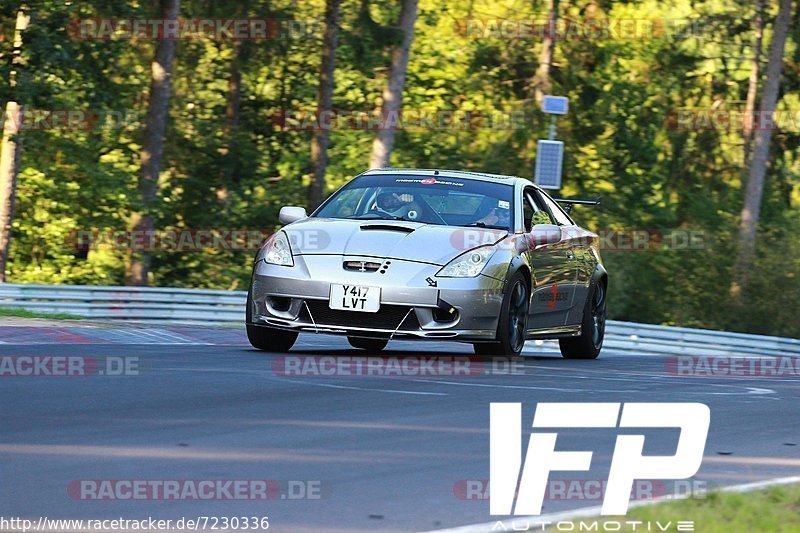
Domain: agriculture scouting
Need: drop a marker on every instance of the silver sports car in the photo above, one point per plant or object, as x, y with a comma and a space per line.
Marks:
431, 254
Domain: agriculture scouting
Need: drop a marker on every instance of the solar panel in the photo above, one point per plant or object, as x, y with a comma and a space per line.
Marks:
555, 105
549, 157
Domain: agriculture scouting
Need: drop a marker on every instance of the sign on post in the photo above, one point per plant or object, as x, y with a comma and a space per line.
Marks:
555, 105
549, 157
550, 153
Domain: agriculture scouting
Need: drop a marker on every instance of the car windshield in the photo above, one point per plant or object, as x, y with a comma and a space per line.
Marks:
441, 200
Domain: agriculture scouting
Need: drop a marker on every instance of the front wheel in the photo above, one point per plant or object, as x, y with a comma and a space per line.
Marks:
371, 345
593, 328
264, 338
270, 339
513, 324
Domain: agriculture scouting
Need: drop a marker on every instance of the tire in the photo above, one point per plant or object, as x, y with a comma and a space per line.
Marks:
371, 345
593, 328
484, 349
264, 338
513, 323
270, 339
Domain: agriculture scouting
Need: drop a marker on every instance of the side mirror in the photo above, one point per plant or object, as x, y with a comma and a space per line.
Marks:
291, 214
544, 234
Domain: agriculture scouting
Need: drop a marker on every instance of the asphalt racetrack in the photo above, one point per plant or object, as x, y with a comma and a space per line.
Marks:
341, 453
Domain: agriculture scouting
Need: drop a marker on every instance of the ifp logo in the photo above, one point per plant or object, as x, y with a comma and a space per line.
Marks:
627, 463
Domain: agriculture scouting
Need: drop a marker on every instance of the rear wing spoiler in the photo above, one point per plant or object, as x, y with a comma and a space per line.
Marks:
570, 203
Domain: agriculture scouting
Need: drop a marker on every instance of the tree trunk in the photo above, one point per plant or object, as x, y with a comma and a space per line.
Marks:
393, 93
541, 80
758, 164
229, 170
10, 150
752, 86
321, 138
142, 222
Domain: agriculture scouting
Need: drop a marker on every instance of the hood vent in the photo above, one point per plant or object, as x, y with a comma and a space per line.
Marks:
361, 266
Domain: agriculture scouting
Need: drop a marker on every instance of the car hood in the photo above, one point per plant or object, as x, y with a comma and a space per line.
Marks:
411, 241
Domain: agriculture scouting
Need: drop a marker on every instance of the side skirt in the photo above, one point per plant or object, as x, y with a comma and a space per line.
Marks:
553, 333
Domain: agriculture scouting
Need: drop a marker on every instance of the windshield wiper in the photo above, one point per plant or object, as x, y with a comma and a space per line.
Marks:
376, 216
483, 225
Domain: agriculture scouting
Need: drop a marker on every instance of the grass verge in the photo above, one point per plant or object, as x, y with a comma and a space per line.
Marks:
24, 313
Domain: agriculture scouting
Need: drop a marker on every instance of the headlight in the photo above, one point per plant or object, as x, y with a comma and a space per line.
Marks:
469, 264
277, 250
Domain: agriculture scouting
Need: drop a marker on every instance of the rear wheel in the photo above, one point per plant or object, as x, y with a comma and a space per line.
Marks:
513, 324
593, 328
371, 345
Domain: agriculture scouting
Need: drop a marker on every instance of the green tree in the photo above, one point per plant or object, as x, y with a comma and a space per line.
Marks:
143, 222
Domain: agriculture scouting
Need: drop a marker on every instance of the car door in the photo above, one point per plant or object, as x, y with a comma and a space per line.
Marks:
553, 269
578, 252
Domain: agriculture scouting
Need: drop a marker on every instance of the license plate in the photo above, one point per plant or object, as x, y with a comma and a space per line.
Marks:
355, 298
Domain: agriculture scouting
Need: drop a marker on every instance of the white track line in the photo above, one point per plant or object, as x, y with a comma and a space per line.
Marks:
591, 512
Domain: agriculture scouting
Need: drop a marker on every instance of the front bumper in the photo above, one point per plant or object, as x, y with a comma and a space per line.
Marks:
296, 298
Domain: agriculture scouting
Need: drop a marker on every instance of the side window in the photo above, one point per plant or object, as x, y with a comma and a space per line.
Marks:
533, 211
559, 215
